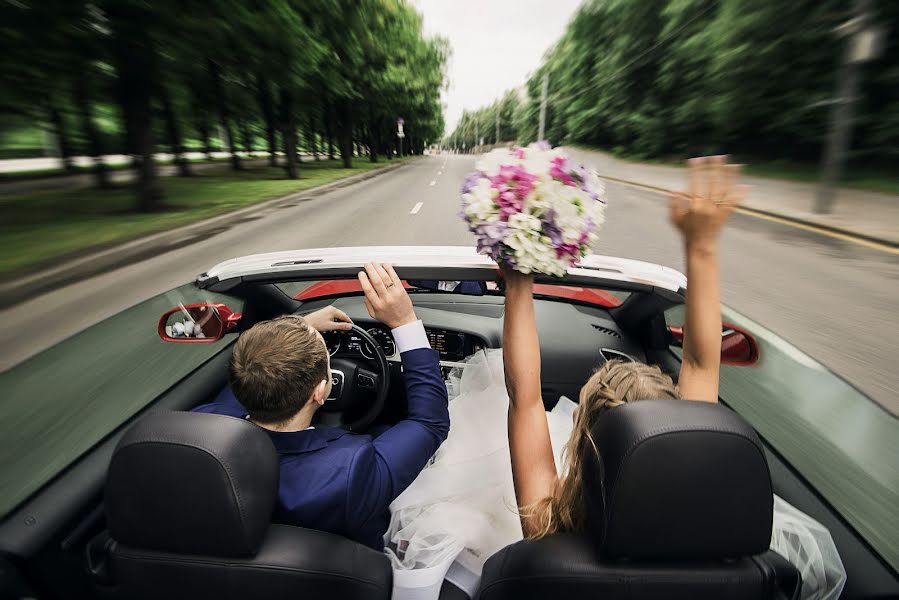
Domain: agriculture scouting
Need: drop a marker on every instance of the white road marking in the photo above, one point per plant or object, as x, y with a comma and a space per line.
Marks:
416, 208
433, 183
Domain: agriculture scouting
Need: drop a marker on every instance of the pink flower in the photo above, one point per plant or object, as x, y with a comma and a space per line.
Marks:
559, 171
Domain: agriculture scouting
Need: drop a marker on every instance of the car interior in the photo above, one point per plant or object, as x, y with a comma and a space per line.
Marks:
177, 505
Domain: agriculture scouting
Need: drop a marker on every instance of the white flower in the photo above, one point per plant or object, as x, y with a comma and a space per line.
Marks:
524, 221
490, 163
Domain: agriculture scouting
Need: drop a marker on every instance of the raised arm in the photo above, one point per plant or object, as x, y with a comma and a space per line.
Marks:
533, 467
699, 215
396, 457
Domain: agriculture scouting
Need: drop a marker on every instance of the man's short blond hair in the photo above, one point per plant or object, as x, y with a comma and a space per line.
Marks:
275, 367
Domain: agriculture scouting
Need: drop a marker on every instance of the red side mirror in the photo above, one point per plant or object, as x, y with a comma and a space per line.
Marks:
201, 323
738, 347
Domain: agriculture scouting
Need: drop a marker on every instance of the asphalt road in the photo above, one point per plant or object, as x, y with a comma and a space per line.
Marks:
834, 300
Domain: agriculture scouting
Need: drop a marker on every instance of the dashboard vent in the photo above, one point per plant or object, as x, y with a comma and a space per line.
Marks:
606, 331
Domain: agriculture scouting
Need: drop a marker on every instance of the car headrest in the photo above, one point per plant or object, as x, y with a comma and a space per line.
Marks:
677, 480
192, 483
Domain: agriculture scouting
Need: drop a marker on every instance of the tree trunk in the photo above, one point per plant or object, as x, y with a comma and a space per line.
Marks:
224, 116
62, 138
82, 104
310, 136
173, 131
202, 123
374, 140
345, 123
247, 132
288, 135
328, 112
268, 114
135, 63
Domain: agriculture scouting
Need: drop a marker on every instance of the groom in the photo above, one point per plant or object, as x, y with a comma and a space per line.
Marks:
331, 479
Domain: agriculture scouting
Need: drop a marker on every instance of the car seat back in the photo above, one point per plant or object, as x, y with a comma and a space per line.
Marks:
679, 505
189, 498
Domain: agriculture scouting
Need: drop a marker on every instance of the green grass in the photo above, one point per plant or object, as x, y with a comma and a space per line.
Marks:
874, 178
38, 227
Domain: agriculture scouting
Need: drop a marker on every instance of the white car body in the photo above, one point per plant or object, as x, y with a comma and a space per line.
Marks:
598, 270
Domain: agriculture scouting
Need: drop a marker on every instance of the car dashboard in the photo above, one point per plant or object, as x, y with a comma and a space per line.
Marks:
452, 346
575, 339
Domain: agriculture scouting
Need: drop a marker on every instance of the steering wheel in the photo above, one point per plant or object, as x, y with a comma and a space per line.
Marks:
352, 385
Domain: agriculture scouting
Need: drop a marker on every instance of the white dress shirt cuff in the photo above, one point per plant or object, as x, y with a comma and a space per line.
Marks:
410, 336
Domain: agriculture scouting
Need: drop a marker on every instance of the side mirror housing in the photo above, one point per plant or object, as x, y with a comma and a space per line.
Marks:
738, 347
201, 323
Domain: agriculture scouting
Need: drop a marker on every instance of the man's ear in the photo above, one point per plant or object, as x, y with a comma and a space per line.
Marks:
319, 394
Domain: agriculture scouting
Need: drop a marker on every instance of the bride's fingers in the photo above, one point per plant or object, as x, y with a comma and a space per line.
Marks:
731, 173
716, 177
694, 172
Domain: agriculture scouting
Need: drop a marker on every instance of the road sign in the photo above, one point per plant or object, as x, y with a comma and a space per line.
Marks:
399, 128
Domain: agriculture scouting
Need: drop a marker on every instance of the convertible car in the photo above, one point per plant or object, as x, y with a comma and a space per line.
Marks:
109, 488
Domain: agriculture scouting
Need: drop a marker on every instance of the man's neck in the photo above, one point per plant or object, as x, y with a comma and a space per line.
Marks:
300, 421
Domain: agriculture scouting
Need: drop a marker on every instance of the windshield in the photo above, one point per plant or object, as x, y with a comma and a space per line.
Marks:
608, 298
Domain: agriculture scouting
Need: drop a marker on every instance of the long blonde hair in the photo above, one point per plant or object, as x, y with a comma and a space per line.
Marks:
615, 383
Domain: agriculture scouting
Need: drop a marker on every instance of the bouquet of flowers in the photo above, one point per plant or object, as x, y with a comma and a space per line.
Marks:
533, 209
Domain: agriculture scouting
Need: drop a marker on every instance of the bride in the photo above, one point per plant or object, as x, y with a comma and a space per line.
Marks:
511, 470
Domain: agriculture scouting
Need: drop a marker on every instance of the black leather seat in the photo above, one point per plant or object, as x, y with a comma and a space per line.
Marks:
679, 506
188, 501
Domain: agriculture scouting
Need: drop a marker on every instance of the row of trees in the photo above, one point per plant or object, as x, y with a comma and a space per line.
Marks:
681, 77
338, 72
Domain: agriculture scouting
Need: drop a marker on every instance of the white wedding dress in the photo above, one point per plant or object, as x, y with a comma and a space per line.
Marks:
461, 509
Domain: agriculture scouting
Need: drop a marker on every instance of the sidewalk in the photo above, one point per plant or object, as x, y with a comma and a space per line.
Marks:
870, 215
15, 187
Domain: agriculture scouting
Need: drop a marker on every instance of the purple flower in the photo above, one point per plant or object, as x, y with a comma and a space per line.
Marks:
471, 180
490, 237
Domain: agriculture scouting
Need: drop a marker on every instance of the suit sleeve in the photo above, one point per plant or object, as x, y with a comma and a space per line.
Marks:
382, 469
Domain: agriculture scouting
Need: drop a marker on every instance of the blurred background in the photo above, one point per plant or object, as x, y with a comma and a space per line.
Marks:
125, 121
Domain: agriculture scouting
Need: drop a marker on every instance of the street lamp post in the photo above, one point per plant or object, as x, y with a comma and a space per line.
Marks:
863, 44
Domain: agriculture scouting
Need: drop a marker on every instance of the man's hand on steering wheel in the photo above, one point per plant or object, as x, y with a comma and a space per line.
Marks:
329, 319
385, 297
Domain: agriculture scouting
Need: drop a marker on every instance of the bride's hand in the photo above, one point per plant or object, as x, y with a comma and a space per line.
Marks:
515, 280
701, 212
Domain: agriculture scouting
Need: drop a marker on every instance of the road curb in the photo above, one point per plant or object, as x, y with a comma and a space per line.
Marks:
81, 266
771, 214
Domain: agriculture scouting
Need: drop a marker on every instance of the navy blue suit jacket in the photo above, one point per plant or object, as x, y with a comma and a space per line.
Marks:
337, 481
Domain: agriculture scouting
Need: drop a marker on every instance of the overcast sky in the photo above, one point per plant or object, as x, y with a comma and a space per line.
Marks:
495, 44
